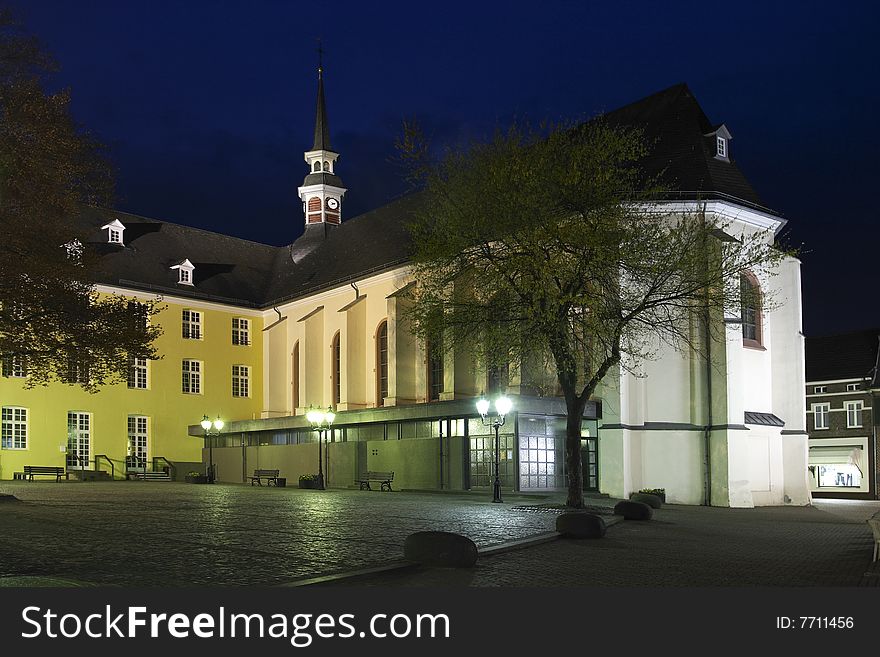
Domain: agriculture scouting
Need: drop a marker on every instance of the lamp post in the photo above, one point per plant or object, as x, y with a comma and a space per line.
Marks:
211, 429
320, 421
502, 408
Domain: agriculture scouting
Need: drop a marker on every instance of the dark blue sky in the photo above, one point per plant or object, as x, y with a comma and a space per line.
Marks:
208, 106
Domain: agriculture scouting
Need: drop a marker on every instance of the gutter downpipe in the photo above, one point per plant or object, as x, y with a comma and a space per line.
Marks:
707, 432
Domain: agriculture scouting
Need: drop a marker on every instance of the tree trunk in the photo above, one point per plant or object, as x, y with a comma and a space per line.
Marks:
573, 465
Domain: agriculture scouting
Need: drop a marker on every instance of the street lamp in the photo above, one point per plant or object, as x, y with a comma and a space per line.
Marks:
502, 408
320, 421
211, 429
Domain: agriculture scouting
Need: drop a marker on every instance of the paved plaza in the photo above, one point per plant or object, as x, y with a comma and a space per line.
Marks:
161, 534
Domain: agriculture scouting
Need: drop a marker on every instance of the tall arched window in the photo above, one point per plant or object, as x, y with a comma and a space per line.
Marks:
382, 363
750, 305
435, 370
294, 376
336, 355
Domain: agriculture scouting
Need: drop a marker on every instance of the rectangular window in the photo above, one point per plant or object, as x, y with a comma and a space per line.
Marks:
722, 147
853, 414
14, 428
77, 370
15, 366
852, 387
820, 415
137, 373
241, 381
192, 325
241, 331
818, 390
192, 377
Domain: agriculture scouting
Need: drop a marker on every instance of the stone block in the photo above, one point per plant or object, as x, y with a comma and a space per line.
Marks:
633, 510
440, 549
580, 525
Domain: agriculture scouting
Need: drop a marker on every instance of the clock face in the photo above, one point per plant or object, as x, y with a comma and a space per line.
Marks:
332, 203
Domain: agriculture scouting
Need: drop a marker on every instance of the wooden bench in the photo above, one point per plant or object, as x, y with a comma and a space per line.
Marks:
271, 477
53, 471
385, 478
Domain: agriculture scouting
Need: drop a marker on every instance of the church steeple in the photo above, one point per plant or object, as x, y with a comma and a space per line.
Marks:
322, 128
322, 190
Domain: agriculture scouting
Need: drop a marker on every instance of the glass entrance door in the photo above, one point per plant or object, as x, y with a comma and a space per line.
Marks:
79, 441
137, 444
590, 462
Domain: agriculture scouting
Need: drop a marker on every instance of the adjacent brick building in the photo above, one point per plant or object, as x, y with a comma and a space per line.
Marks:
843, 384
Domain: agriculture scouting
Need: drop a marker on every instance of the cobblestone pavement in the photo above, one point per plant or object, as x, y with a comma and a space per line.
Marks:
160, 534
826, 545
167, 534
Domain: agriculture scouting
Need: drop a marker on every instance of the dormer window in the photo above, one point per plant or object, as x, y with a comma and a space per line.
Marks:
184, 272
114, 232
722, 137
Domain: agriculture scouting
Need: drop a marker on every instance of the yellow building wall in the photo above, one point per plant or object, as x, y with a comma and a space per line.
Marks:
168, 409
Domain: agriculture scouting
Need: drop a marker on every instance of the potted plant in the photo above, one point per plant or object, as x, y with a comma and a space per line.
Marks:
194, 477
309, 481
659, 492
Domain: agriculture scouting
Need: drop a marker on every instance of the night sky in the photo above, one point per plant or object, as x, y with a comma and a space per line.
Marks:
208, 106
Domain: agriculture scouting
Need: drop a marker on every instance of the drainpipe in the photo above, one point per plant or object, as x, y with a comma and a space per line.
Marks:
707, 434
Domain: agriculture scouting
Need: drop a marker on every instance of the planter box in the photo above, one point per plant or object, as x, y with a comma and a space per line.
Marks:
197, 479
310, 483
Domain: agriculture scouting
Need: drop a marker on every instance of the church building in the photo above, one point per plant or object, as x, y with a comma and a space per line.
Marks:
258, 335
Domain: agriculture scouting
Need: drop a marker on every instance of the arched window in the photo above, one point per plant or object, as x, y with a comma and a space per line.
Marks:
435, 370
294, 374
750, 305
326, 165
336, 355
317, 167
497, 379
382, 363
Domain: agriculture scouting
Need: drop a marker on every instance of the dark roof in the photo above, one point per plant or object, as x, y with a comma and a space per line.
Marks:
370, 242
682, 144
322, 126
763, 419
227, 269
236, 271
845, 356
323, 179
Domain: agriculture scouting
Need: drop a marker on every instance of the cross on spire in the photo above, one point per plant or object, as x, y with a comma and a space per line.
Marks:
320, 59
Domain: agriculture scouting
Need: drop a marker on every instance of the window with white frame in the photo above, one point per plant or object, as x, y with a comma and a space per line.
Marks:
114, 232
137, 440
820, 415
184, 272
137, 373
853, 414
852, 387
241, 381
818, 390
14, 428
192, 377
722, 146
77, 370
241, 331
192, 325
15, 366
